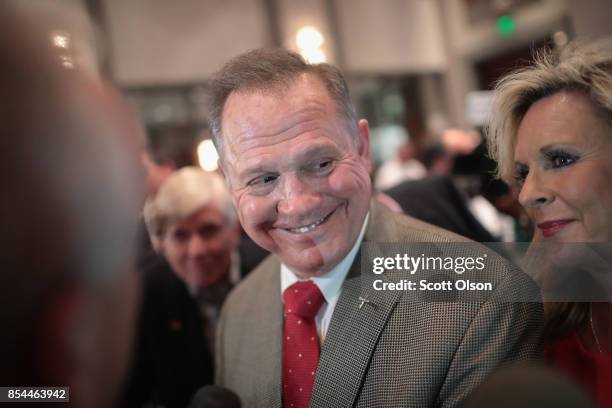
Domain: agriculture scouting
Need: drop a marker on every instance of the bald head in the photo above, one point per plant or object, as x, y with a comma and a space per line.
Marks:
70, 188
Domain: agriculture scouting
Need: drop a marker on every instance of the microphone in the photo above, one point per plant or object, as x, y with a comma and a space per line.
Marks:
528, 387
212, 396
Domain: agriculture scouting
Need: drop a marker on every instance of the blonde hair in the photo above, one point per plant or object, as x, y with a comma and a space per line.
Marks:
184, 193
581, 66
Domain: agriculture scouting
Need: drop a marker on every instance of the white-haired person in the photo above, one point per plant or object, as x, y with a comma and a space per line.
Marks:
551, 133
193, 226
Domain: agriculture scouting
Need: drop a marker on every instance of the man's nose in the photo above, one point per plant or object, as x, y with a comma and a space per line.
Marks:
298, 197
534, 194
197, 246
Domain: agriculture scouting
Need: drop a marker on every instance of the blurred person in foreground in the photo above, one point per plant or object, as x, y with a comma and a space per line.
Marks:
305, 328
552, 135
70, 189
193, 225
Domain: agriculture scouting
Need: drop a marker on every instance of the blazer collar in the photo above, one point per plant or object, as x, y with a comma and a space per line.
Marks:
358, 320
266, 331
352, 335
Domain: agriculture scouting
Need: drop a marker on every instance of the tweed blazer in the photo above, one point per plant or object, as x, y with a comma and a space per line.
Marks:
387, 354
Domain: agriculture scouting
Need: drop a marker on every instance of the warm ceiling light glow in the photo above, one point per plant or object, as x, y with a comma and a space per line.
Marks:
308, 38
60, 40
207, 155
309, 41
314, 56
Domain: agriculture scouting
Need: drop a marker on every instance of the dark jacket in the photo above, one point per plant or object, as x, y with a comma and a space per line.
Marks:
171, 358
437, 201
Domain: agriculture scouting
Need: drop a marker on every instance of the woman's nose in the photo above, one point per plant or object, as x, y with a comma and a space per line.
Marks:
534, 194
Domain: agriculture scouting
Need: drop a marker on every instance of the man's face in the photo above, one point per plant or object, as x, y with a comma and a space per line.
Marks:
199, 247
299, 179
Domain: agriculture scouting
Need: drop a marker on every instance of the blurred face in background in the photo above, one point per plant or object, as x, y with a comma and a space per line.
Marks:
563, 157
199, 247
298, 176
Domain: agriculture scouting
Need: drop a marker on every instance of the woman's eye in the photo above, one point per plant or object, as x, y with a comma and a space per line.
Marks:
324, 164
520, 176
559, 159
562, 161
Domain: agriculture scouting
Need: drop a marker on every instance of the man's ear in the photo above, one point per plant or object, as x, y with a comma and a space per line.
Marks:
363, 143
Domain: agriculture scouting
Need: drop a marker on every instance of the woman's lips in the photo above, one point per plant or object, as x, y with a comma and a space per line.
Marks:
550, 228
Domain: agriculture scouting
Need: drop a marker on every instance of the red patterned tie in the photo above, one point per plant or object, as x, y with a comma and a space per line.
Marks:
300, 343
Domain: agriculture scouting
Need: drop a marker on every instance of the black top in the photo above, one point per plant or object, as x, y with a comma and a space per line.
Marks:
437, 201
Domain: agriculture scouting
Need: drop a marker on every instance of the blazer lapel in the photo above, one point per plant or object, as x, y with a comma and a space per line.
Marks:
268, 321
358, 320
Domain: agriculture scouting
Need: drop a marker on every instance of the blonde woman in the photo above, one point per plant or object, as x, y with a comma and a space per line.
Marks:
551, 133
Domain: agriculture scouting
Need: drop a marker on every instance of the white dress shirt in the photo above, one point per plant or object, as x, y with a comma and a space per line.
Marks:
330, 284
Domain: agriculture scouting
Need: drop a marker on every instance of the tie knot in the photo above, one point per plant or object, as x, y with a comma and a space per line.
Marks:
303, 298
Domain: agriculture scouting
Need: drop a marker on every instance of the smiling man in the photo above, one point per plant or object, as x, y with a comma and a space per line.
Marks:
296, 332
300, 180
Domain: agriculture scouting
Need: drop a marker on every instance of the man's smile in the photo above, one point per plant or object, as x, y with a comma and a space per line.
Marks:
307, 228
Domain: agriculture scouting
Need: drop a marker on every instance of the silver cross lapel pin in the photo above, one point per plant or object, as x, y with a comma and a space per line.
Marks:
364, 301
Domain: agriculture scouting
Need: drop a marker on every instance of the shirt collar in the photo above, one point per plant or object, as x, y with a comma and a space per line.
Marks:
330, 283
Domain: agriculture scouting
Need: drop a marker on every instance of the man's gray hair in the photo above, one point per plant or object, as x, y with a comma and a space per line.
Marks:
269, 70
580, 66
184, 193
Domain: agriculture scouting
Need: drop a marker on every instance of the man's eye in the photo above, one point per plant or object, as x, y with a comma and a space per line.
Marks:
323, 167
180, 235
268, 179
209, 231
263, 180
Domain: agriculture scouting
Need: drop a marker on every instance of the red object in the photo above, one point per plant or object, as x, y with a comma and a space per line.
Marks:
550, 228
592, 370
300, 343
